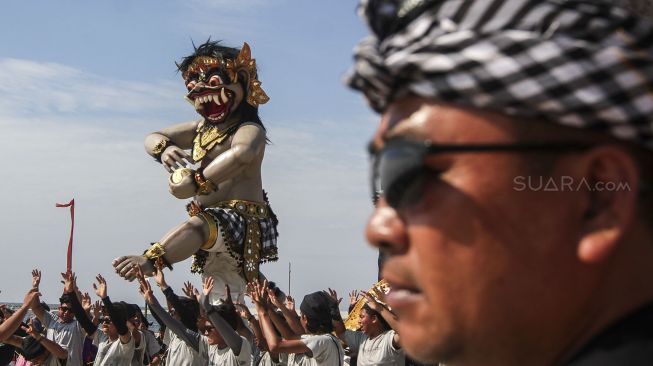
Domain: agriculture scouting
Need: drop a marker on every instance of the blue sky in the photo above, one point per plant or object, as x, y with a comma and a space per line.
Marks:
82, 83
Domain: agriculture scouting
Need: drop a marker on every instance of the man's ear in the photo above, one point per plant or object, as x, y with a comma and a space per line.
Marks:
610, 184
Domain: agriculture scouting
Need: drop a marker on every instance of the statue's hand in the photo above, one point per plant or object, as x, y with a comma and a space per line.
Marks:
174, 157
181, 183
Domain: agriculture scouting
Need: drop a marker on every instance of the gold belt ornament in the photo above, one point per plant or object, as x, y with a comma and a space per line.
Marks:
247, 208
252, 212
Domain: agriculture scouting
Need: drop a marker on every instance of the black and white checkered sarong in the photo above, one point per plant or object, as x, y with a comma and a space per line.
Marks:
235, 225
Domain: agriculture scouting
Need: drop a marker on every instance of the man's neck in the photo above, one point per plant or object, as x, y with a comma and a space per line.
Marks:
375, 333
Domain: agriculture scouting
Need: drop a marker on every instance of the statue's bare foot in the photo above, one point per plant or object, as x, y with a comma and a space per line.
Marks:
127, 266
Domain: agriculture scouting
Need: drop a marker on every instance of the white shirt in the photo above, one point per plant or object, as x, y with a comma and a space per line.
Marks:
326, 350
267, 360
113, 353
181, 354
152, 345
139, 351
225, 356
69, 336
376, 351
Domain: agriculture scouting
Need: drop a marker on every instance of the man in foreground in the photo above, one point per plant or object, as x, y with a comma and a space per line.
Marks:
480, 101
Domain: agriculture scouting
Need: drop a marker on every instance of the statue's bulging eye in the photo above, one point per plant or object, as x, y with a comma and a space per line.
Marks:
191, 84
215, 80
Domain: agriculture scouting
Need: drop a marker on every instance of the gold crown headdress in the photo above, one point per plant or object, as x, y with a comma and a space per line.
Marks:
243, 62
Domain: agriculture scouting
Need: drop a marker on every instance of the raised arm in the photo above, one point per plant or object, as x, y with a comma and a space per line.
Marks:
37, 309
336, 318
117, 317
10, 325
291, 316
190, 337
275, 343
244, 313
70, 284
279, 323
230, 336
187, 318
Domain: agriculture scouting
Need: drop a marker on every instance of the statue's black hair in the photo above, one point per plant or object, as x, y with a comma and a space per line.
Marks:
209, 48
247, 112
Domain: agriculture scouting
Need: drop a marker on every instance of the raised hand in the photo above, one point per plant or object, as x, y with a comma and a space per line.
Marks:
379, 294
145, 289
228, 299
242, 310
159, 277
101, 287
36, 279
69, 282
87, 303
290, 303
273, 299
372, 302
207, 286
257, 292
354, 296
189, 289
31, 298
334, 295
97, 309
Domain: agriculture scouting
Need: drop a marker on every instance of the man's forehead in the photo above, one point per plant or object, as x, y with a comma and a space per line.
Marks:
421, 120
406, 119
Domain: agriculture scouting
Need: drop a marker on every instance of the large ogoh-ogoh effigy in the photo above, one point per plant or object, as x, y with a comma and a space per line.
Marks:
231, 229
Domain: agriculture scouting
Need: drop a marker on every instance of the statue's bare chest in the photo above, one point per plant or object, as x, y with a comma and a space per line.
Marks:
211, 141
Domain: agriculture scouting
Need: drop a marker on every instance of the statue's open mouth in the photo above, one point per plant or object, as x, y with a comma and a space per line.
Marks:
214, 104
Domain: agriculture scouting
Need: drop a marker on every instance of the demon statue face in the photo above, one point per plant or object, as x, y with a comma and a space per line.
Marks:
218, 79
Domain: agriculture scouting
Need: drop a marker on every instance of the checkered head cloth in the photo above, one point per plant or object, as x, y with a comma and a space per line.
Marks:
579, 63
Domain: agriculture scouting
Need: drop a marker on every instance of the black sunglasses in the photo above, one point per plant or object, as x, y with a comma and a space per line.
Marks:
208, 328
63, 309
399, 173
106, 320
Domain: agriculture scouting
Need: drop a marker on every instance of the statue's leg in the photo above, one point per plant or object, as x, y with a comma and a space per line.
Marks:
178, 244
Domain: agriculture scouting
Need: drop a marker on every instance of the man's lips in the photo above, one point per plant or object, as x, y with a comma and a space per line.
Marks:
402, 295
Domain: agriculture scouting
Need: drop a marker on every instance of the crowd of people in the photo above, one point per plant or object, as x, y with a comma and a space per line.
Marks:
475, 96
193, 331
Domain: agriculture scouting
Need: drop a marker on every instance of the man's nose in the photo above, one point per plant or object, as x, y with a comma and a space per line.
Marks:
386, 230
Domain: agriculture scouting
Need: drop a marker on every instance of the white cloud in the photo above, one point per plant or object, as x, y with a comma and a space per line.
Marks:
32, 88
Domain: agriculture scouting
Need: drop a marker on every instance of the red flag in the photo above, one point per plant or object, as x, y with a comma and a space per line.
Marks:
69, 258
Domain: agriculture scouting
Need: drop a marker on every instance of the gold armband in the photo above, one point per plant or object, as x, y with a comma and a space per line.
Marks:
159, 148
204, 186
155, 253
